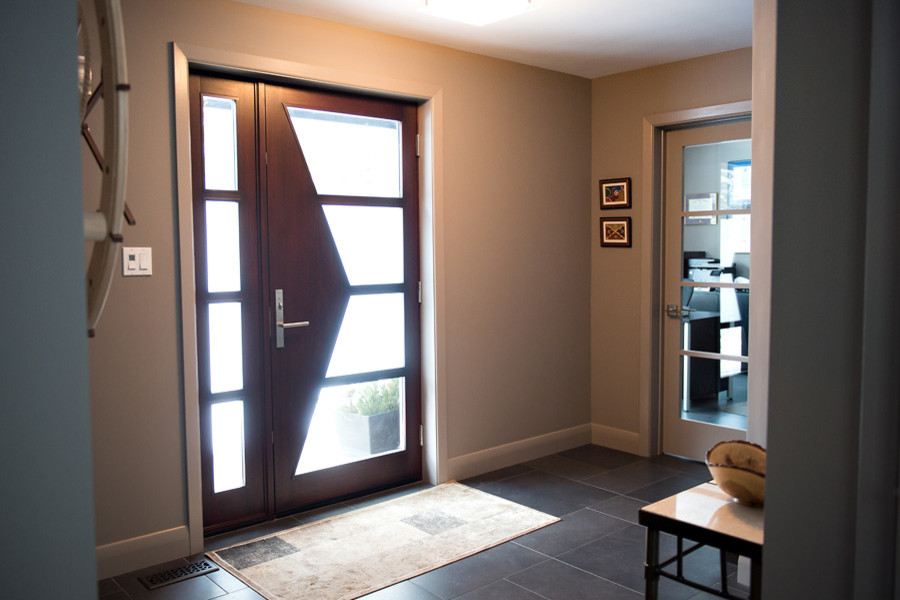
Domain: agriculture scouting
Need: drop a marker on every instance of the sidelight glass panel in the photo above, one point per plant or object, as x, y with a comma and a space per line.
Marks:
349, 155
226, 371
223, 252
220, 143
371, 336
370, 242
228, 446
355, 422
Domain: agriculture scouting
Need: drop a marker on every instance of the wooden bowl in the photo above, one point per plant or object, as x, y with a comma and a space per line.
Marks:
739, 469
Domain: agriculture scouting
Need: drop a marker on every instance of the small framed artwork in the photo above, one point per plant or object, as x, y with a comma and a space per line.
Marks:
615, 232
615, 193
699, 203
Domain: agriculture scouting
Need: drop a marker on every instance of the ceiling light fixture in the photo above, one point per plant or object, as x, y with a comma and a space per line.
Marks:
477, 12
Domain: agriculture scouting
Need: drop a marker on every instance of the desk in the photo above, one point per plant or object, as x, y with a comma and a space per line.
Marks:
709, 517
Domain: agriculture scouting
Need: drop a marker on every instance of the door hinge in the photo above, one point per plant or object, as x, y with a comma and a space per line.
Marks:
421, 435
420, 292
418, 147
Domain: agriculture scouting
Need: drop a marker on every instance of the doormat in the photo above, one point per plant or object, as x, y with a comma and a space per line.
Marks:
362, 551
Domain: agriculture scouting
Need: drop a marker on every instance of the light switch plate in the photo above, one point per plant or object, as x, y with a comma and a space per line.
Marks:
137, 262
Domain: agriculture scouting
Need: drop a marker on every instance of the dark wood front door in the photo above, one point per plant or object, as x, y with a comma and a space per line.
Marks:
331, 340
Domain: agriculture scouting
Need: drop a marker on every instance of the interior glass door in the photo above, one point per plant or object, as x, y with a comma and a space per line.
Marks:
706, 287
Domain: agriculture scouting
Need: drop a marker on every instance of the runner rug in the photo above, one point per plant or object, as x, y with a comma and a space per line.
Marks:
356, 553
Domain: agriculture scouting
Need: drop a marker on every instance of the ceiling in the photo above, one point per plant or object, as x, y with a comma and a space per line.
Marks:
590, 38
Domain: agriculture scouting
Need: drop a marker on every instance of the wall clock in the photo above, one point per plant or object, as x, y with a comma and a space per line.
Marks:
103, 95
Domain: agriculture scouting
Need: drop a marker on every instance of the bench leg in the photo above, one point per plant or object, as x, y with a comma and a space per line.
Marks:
651, 568
756, 579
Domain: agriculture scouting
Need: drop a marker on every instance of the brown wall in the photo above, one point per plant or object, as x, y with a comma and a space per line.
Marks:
619, 104
516, 149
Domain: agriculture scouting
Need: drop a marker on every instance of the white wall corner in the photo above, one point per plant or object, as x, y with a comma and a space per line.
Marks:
138, 552
617, 439
498, 457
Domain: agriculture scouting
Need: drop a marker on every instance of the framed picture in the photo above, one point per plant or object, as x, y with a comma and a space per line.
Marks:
615, 232
698, 203
615, 193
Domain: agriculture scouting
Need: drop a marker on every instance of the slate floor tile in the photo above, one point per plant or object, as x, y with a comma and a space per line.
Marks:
547, 492
600, 456
495, 476
565, 467
576, 529
197, 588
405, 590
476, 571
246, 534
621, 507
244, 594
666, 487
631, 477
620, 558
107, 587
690, 467
501, 590
557, 581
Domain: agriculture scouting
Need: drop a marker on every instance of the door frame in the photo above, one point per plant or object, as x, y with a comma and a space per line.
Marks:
431, 233
649, 439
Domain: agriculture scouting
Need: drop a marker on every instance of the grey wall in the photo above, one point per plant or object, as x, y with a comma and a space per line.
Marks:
834, 354
620, 103
46, 505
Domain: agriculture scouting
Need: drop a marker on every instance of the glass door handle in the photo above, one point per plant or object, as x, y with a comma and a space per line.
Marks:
280, 325
676, 311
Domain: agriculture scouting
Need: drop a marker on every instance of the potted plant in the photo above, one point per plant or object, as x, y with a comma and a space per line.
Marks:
369, 421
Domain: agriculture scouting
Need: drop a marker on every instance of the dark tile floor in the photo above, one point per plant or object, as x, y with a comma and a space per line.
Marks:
596, 551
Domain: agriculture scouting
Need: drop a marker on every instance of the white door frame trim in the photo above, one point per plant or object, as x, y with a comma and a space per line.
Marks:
654, 126
431, 178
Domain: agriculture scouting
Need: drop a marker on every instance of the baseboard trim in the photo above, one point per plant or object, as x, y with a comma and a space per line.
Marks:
142, 551
617, 439
498, 457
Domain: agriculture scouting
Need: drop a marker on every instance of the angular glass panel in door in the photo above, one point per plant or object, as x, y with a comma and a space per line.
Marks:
369, 240
355, 422
349, 155
371, 336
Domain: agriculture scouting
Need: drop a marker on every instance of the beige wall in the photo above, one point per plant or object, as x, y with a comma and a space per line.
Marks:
619, 104
516, 147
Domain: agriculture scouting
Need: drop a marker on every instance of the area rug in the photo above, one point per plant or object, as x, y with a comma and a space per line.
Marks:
356, 553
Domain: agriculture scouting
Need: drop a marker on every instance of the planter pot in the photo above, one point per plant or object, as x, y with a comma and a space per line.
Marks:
368, 435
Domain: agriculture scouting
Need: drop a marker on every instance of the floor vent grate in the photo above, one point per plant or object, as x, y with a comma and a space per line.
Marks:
195, 569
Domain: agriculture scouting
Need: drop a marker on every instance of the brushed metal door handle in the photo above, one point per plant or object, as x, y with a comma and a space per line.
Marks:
280, 325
